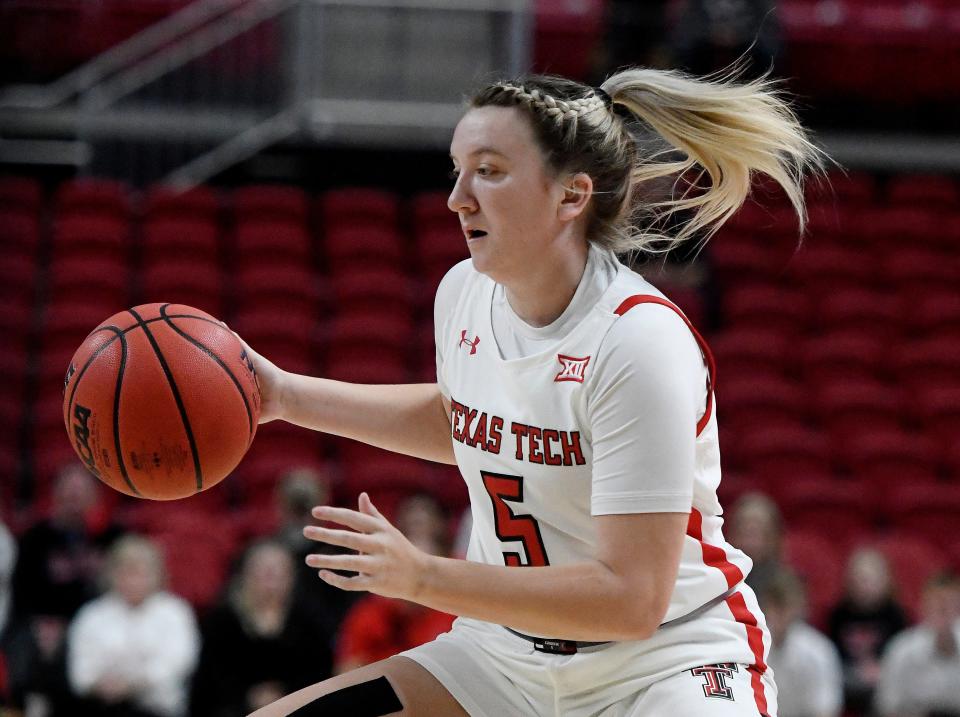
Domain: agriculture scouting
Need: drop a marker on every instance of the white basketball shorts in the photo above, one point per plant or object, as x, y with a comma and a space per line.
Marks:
703, 666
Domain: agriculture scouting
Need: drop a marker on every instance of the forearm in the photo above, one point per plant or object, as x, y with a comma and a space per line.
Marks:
583, 601
405, 418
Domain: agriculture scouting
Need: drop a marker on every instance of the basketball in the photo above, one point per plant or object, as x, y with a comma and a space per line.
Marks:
161, 401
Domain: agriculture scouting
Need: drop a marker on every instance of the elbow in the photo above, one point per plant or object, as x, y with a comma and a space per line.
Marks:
642, 618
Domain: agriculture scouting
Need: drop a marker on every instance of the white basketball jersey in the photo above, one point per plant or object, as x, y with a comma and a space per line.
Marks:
523, 444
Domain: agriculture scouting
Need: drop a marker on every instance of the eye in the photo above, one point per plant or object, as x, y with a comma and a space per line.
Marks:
483, 171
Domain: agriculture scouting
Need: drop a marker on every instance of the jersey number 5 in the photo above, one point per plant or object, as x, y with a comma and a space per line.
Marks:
502, 488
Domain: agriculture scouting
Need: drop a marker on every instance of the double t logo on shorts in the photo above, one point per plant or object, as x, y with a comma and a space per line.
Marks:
716, 679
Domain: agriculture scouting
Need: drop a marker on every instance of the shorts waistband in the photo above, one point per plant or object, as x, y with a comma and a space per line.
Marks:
571, 647
554, 646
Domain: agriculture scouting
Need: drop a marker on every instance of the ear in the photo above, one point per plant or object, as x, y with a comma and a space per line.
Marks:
577, 192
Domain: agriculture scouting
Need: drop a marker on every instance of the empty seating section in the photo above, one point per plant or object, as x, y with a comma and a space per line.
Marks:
893, 51
838, 362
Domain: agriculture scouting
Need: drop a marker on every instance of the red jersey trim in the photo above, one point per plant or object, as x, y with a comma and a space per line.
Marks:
713, 556
742, 614
636, 299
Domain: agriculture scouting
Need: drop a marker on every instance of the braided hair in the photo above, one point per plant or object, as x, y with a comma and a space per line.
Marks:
658, 142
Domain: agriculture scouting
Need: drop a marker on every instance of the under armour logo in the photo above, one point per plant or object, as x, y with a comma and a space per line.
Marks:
574, 369
465, 341
716, 676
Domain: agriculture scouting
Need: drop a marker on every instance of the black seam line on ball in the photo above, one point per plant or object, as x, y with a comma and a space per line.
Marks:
220, 363
117, 334
176, 397
116, 416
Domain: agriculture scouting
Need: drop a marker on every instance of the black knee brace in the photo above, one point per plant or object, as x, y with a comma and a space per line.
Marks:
366, 699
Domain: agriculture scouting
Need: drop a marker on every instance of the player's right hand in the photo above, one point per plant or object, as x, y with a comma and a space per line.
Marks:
270, 379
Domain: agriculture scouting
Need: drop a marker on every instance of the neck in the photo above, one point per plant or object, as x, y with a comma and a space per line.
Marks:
540, 296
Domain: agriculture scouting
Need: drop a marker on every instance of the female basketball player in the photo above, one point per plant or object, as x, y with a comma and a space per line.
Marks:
578, 403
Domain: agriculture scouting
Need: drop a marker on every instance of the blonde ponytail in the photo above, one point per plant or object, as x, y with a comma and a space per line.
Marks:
729, 131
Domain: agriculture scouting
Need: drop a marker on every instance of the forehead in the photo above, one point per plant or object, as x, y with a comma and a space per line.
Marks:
503, 130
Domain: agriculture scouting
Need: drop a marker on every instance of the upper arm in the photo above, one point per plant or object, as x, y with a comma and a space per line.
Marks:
648, 391
643, 550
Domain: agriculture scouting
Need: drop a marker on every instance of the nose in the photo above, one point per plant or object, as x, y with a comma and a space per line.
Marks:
461, 200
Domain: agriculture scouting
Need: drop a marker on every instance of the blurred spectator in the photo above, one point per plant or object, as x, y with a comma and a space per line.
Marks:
130, 653
298, 493
261, 644
709, 35
804, 661
8, 559
862, 623
59, 562
920, 675
378, 627
756, 527
61, 556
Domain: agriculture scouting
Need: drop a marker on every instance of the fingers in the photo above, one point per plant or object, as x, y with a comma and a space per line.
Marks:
354, 584
366, 506
339, 561
344, 538
350, 518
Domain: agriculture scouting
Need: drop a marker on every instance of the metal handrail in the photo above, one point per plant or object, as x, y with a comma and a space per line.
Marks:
132, 50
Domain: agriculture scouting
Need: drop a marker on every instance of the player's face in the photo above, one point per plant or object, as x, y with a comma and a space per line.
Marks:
505, 196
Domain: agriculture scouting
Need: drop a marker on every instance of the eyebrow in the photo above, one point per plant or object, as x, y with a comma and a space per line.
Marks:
484, 150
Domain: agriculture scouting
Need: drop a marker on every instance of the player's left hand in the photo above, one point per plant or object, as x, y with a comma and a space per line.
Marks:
386, 564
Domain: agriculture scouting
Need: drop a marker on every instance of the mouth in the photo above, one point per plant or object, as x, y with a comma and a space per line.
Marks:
475, 234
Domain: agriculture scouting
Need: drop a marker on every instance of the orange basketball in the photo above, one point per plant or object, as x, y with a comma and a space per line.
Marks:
161, 401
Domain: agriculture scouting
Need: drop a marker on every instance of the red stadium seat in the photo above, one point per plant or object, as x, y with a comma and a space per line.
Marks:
843, 355
785, 451
926, 511
357, 367
184, 282
18, 279
103, 197
847, 407
278, 334
935, 312
931, 361
936, 410
359, 207
438, 250
103, 280
851, 188
892, 228
854, 309
912, 561
292, 288
179, 239
271, 203
368, 245
887, 458
197, 559
431, 213
280, 242
198, 204
91, 234
754, 350
818, 562
843, 510
914, 271
935, 191
764, 304
745, 402
376, 289
744, 257
21, 195
20, 232
824, 268
566, 36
